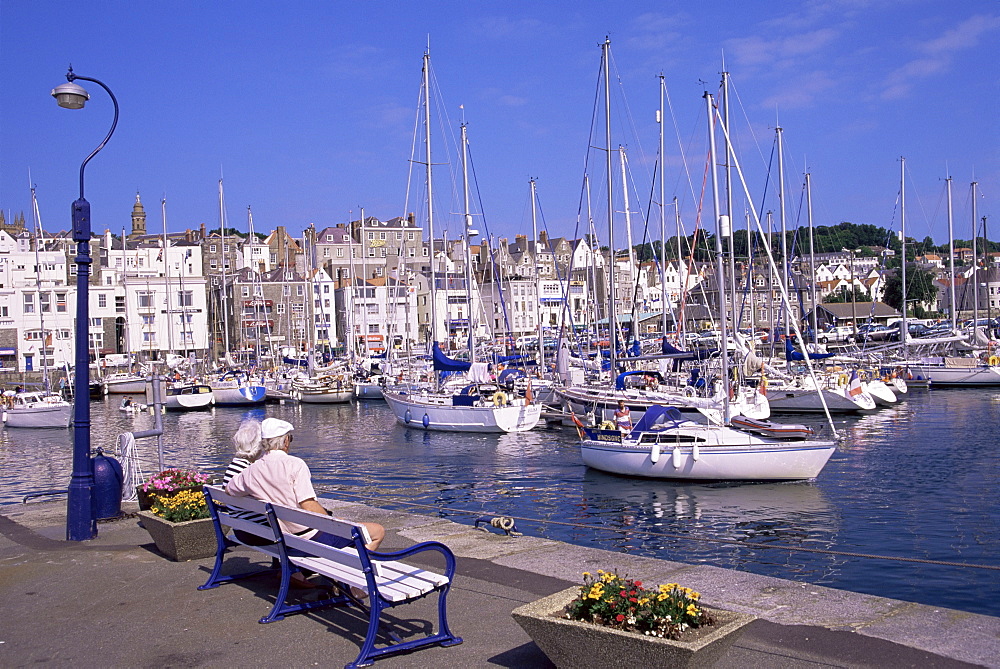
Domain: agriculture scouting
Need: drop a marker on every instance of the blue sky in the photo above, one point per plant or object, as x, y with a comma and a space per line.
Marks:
307, 108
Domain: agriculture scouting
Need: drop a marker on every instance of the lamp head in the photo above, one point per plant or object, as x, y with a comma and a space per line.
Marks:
70, 95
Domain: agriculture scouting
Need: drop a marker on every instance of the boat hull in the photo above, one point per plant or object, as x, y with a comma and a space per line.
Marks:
435, 412
806, 400
185, 398
132, 385
738, 459
951, 374
239, 396
38, 417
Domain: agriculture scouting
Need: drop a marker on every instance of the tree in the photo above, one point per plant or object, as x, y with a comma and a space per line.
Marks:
919, 286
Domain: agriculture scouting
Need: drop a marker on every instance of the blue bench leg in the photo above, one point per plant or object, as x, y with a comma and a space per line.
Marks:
443, 629
278, 610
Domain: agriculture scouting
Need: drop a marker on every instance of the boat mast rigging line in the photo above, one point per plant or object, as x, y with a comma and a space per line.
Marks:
667, 535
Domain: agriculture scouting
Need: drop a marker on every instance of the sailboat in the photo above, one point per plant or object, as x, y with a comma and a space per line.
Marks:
481, 405
665, 445
38, 409
937, 362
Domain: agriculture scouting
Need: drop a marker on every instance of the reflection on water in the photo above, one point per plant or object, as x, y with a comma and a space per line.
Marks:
917, 480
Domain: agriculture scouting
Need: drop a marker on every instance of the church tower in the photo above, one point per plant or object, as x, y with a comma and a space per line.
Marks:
138, 218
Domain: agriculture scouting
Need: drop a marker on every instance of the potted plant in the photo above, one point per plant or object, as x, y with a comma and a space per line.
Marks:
614, 621
169, 482
180, 525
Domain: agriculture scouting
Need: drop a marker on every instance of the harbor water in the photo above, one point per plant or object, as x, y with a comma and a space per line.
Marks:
907, 508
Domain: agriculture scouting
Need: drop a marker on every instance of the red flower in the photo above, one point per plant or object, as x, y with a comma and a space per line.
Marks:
638, 584
619, 617
622, 593
633, 600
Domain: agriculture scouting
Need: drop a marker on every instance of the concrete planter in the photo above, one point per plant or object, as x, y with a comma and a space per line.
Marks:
145, 499
572, 643
189, 540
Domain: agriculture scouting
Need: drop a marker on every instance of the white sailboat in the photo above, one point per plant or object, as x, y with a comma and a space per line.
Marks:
38, 409
665, 445
481, 406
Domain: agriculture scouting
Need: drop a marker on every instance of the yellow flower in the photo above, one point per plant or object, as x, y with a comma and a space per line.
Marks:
692, 610
586, 574
662, 596
693, 595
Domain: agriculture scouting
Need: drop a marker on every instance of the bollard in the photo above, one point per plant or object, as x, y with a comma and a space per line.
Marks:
106, 498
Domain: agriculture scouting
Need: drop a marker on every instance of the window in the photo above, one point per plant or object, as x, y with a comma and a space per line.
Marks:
148, 319
211, 248
371, 235
409, 236
381, 236
373, 328
225, 248
213, 264
3, 311
145, 300
326, 289
185, 298
95, 322
286, 290
246, 291
299, 290
149, 338
329, 238
280, 308
96, 340
102, 301
373, 309
326, 252
274, 258
120, 304
29, 303
371, 252
45, 302
340, 253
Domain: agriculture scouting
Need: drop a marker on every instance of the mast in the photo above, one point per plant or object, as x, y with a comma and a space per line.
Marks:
660, 115
729, 194
43, 360
468, 240
722, 230
538, 279
975, 265
633, 271
612, 344
781, 217
225, 310
682, 274
430, 192
364, 289
902, 239
812, 253
166, 274
951, 259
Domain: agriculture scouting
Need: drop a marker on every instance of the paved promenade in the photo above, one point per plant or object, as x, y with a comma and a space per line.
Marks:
116, 602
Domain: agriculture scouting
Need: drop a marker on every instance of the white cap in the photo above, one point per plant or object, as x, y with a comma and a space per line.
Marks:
274, 427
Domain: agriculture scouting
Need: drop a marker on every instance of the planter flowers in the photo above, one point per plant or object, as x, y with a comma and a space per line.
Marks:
169, 482
622, 603
178, 518
611, 621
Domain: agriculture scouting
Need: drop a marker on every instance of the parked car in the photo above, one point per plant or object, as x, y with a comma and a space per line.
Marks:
838, 333
875, 332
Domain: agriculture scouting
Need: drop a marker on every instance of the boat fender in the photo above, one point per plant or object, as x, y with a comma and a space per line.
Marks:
499, 398
695, 452
654, 453
842, 380
407, 417
426, 421
994, 361
676, 457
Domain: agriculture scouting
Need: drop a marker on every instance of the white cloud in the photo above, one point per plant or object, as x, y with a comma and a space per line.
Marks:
937, 55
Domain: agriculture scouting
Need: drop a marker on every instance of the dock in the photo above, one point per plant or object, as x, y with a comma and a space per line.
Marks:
115, 601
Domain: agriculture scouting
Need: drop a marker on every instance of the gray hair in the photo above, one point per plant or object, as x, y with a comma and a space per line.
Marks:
273, 443
247, 440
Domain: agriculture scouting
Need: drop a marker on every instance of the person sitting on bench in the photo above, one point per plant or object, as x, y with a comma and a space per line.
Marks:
281, 478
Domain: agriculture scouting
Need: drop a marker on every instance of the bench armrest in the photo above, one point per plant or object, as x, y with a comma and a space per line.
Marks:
420, 548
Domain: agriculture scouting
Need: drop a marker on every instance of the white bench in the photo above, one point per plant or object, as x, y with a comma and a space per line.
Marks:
385, 580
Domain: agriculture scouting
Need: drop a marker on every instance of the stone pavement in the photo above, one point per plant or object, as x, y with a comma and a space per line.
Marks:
114, 601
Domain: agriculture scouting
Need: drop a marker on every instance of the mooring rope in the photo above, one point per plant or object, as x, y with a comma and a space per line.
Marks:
668, 535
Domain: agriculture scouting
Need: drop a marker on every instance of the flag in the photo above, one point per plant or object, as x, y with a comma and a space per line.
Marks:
159, 257
528, 395
854, 385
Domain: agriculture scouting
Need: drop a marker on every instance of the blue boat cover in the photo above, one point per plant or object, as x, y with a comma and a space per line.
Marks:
658, 414
443, 363
792, 355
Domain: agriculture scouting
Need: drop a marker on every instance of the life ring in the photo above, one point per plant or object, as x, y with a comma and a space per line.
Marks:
499, 398
993, 361
690, 392
607, 425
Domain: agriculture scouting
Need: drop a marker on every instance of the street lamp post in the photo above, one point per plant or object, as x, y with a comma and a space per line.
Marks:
80, 522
